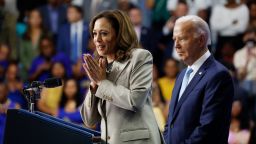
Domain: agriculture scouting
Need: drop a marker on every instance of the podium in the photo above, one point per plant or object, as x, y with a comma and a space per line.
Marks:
23, 127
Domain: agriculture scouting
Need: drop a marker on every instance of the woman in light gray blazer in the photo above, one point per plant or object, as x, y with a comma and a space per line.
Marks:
121, 83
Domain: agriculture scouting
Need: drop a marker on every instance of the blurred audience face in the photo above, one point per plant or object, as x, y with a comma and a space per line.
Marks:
76, 69
46, 48
3, 92
181, 10
253, 10
12, 71
4, 52
123, 5
171, 68
104, 37
70, 88
155, 73
34, 19
58, 70
135, 16
54, 2
73, 15
236, 108
250, 36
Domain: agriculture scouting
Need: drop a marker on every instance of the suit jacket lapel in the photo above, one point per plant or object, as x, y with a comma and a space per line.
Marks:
200, 73
117, 69
175, 93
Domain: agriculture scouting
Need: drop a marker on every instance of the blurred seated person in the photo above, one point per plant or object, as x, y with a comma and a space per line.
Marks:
196, 7
29, 42
166, 83
228, 22
245, 62
4, 59
143, 33
15, 84
227, 52
50, 97
158, 101
166, 44
239, 132
5, 104
252, 8
180, 10
70, 101
40, 68
73, 37
81, 78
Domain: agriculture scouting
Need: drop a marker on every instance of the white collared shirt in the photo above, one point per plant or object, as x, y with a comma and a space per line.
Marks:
137, 31
198, 63
79, 26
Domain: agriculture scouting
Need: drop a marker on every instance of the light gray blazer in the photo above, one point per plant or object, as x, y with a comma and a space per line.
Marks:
127, 91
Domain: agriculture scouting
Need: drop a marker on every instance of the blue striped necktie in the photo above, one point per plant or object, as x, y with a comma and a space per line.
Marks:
74, 51
185, 81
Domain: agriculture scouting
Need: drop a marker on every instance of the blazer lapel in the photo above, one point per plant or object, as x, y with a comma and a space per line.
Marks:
117, 69
175, 94
200, 73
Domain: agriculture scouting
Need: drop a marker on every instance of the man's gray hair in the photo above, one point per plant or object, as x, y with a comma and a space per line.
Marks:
200, 25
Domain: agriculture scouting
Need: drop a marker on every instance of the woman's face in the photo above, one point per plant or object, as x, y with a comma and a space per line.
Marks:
46, 48
58, 70
4, 51
34, 18
70, 89
236, 108
12, 71
104, 37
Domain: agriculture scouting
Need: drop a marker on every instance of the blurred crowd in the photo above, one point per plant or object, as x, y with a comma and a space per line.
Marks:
47, 38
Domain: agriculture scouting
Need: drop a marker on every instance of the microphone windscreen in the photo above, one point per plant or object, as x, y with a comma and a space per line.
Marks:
52, 82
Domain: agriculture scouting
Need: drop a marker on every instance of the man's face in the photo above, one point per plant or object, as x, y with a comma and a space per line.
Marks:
186, 41
135, 16
73, 15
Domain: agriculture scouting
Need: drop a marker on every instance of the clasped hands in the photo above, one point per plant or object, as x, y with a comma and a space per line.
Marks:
96, 71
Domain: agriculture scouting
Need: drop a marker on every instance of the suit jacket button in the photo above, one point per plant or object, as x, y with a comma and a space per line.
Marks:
171, 126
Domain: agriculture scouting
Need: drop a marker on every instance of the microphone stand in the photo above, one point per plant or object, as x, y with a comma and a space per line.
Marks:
32, 91
32, 94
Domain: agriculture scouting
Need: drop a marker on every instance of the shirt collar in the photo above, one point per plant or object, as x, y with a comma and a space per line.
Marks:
199, 62
78, 23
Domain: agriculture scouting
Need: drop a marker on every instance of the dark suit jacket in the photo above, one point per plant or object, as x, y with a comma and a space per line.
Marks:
64, 39
146, 39
62, 12
202, 115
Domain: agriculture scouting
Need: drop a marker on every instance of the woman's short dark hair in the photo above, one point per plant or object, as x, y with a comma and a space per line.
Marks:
126, 38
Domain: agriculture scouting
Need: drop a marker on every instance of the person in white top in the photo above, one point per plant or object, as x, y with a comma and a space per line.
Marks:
194, 5
227, 22
245, 62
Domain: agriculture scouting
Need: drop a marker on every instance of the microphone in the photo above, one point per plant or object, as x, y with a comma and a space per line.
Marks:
48, 83
52, 82
32, 92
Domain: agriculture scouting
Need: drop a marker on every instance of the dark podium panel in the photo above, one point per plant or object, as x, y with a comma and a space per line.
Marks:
23, 127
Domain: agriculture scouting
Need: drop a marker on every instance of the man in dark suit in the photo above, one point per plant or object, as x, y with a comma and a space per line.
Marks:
143, 33
200, 108
54, 15
73, 37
